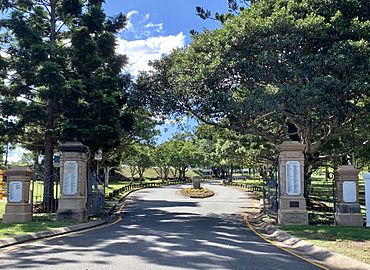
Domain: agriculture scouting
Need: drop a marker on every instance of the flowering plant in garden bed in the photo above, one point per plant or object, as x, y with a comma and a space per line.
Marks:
197, 193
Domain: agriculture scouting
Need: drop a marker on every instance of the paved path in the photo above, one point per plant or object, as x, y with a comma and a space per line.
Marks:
162, 230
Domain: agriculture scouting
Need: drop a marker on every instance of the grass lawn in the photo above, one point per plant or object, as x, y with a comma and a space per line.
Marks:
150, 173
252, 181
115, 185
350, 241
2, 208
38, 225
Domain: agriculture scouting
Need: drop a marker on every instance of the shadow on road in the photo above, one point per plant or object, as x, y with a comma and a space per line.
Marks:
156, 232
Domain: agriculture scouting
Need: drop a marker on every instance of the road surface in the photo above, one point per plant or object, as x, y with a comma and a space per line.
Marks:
162, 230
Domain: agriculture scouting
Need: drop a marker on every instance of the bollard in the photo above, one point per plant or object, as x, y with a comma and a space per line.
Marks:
196, 182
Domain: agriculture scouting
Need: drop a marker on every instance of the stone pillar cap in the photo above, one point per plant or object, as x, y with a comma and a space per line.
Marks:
73, 147
291, 146
346, 168
18, 170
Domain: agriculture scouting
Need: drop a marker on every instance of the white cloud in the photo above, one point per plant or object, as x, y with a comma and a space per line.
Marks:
129, 15
158, 27
140, 52
139, 26
179, 120
146, 17
4, 54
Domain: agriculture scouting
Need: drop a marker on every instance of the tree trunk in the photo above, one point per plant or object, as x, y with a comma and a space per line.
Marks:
49, 139
230, 172
133, 171
106, 175
182, 172
166, 171
141, 175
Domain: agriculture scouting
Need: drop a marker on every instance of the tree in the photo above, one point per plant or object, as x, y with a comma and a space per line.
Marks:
138, 158
144, 160
281, 70
227, 150
141, 135
184, 154
235, 7
66, 92
161, 156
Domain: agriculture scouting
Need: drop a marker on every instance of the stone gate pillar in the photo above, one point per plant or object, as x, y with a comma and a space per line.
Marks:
18, 208
73, 181
348, 211
292, 204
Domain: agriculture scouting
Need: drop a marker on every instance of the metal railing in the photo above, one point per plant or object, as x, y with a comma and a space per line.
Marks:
126, 188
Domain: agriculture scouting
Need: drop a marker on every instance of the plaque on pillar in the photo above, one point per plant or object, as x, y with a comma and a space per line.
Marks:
73, 176
70, 178
349, 192
15, 191
348, 210
293, 177
292, 204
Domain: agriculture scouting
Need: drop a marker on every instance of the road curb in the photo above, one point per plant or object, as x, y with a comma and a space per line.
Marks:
112, 211
45, 234
60, 231
320, 255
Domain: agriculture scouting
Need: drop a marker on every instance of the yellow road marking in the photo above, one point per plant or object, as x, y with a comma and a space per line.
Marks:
17, 246
250, 227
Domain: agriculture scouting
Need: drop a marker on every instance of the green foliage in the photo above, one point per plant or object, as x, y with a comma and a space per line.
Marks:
81, 81
64, 78
161, 156
183, 154
227, 150
138, 158
280, 70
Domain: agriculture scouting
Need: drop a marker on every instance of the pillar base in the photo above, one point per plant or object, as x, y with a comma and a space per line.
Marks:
349, 219
292, 218
71, 215
17, 217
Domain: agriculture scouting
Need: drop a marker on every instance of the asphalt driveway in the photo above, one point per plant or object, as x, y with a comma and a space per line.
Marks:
162, 230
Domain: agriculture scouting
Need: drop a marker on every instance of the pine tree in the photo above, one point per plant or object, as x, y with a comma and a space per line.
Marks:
64, 76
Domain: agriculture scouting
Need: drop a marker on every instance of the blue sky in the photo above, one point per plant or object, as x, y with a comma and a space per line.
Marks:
175, 15
155, 28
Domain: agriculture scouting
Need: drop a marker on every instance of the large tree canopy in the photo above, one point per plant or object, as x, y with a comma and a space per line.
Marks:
280, 69
63, 75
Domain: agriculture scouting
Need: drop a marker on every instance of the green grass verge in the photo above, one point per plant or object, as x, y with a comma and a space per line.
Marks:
350, 241
115, 185
2, 208
253, 181
38, 225
151, 173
